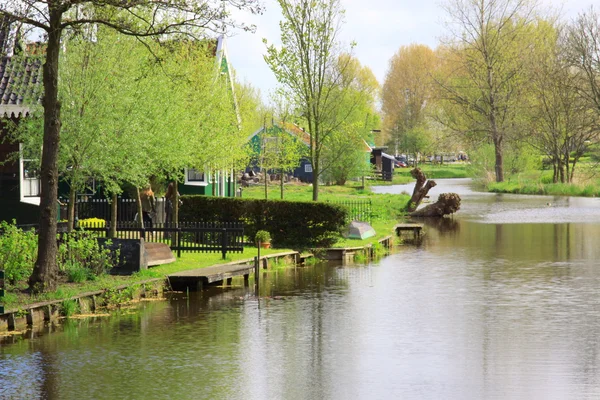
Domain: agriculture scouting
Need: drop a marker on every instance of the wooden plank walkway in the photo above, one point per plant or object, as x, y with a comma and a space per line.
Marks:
415, 228
196, 279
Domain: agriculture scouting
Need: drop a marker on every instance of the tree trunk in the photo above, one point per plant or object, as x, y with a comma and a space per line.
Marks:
499, 167
45, 273
175, 218
266, 184
71, 210
140, 213
422, 187
315, 179
447, 203
113, 216
281, 183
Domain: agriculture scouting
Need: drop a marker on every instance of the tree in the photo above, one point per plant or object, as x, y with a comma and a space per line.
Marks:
142, 18
562, 123
407, 91
345, 154
582, 47
307, 66
486, 57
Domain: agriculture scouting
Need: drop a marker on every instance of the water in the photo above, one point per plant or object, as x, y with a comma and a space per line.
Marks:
500, 302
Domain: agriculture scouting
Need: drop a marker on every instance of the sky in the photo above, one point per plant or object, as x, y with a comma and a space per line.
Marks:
379, 28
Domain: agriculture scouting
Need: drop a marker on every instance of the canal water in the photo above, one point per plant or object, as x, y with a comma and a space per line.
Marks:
500, 302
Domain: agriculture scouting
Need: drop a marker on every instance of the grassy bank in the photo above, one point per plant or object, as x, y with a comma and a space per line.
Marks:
530, 186
386, 210
16, 297
432, 171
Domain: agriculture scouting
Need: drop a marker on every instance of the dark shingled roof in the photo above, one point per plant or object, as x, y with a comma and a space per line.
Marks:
20, 83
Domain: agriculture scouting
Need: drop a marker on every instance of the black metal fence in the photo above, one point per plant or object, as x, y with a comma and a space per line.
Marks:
205, 237
89, 207
358, 210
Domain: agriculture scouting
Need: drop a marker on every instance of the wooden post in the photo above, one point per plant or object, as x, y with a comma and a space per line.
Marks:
256, 270
224, 243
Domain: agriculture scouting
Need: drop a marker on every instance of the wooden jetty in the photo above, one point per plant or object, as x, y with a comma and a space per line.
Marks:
347, 254
414, 228
197, 279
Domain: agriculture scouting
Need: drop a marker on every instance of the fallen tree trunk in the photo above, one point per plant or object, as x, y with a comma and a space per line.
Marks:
421, 189
447, 203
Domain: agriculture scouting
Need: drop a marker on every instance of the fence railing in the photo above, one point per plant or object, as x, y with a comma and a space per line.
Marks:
205, 237
358, 210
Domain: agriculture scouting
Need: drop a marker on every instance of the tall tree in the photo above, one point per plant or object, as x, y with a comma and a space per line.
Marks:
306, 65
407, 90
583, 52
143, 18
490, 41
562, 122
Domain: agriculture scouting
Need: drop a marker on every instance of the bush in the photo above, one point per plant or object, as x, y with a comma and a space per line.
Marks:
262, 236
81, 251
18, 252
291, 224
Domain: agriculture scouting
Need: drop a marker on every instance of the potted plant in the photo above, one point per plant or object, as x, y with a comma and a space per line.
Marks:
263, 238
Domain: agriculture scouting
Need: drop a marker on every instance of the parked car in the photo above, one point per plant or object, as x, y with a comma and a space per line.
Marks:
400, 164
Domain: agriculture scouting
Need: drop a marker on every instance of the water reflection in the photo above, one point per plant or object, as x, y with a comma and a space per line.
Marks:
482, 309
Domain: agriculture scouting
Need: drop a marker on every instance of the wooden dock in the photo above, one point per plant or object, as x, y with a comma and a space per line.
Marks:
197, 279
414, 228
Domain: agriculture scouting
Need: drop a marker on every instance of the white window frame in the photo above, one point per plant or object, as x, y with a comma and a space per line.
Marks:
195, 182
27, 197
308, 168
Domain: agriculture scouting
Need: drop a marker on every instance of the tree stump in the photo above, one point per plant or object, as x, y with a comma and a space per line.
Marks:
421, 189
448, 203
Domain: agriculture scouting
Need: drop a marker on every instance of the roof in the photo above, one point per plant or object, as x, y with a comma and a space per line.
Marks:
291, 129
20, 83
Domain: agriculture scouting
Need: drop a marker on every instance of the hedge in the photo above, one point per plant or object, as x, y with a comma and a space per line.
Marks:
292, 224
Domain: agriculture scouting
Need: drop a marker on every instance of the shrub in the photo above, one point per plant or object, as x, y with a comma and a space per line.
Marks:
18, 252
291, 224
262, 236
80, 250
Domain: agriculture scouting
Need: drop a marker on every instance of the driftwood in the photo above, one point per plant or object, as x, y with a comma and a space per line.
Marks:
421, 189
447, 203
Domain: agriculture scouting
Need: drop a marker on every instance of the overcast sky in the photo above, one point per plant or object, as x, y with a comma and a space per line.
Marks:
379, 27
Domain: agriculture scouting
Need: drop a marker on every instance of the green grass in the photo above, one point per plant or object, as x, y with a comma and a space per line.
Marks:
526, 186
14, 297
387, 211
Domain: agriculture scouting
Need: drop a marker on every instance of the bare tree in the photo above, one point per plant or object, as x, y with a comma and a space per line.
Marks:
583, 50
562, 123
490, 40
140, 18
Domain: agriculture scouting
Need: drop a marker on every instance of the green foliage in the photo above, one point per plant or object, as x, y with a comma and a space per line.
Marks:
262, 236
18, 252
69, 307
80, 252
291, 224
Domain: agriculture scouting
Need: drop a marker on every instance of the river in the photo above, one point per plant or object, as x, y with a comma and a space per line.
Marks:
499, 302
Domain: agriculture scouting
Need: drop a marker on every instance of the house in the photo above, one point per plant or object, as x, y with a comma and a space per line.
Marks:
257, 141
220, 182
20, 87
383, 162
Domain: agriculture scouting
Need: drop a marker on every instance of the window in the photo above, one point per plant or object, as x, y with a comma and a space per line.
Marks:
307, 168
195, 178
